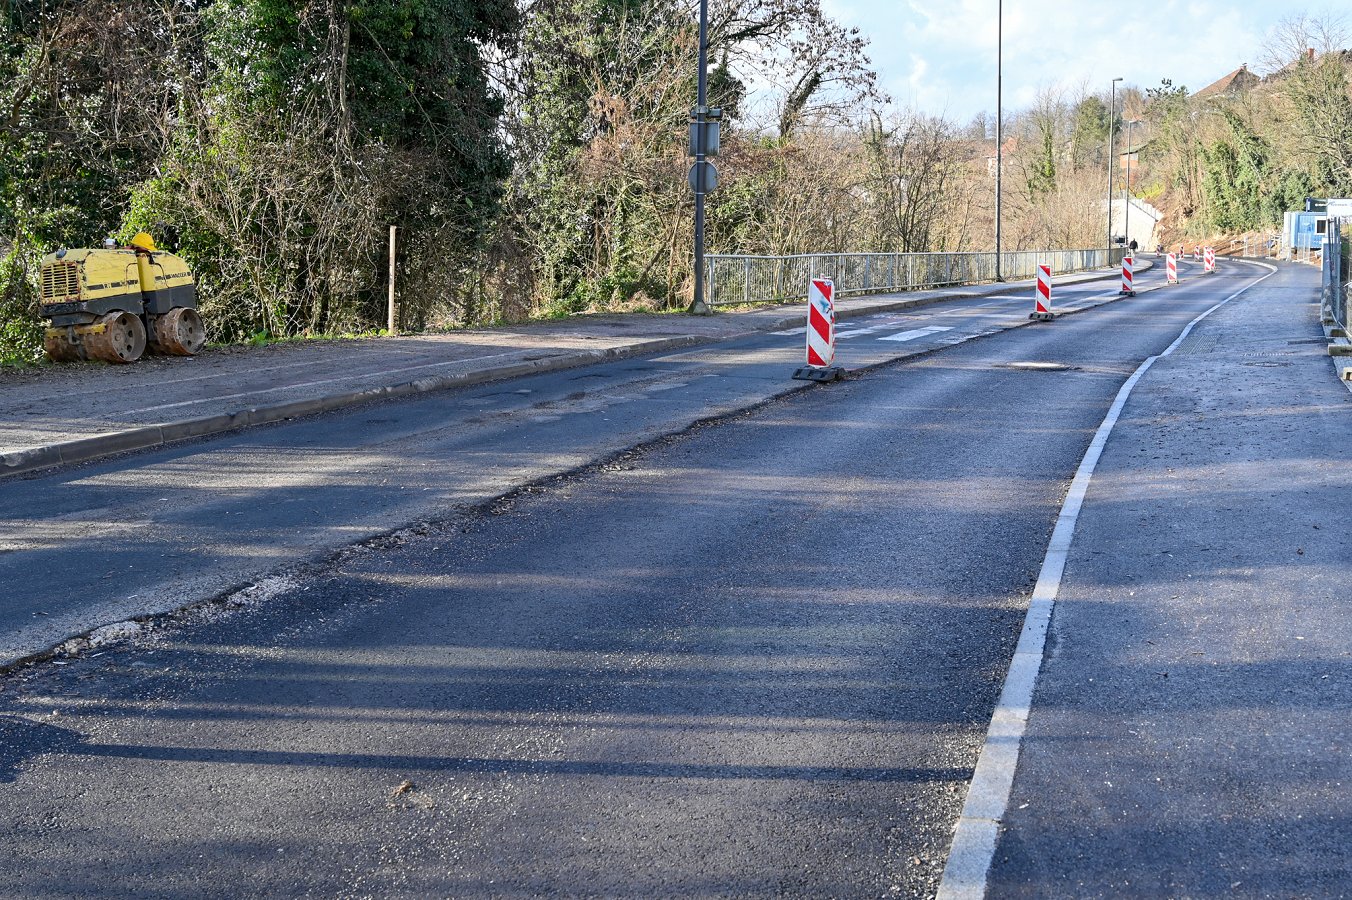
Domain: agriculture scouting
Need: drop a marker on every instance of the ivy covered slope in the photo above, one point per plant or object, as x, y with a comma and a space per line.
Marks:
1233, 161
271, 141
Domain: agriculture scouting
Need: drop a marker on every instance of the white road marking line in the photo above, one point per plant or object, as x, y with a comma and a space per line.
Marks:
916, 333
856, 332
978, 827
842, 330
304, 384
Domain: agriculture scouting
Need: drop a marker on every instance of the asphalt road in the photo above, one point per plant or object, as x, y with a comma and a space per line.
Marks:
153, 531
1190, 734
756, 657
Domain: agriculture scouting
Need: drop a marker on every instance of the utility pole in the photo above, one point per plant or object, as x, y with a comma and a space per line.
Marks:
1112, 121
1126, 187
999, 123
700, 181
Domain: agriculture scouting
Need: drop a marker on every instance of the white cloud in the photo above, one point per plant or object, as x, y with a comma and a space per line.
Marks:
941, 57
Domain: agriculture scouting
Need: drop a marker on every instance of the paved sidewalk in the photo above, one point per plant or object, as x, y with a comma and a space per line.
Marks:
1191, 731
70, 413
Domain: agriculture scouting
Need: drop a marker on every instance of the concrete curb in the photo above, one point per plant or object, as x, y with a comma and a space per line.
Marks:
147, 436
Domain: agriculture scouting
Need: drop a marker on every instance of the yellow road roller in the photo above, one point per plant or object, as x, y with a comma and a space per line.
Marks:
114, 302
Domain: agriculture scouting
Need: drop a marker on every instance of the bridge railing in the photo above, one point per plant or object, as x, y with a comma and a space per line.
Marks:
734, 278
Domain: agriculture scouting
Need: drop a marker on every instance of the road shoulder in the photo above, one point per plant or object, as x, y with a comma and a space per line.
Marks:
1189, 732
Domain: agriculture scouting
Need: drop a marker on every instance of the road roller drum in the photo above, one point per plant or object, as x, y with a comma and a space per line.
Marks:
115, 302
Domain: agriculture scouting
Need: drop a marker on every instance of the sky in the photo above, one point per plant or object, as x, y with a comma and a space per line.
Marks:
938, 57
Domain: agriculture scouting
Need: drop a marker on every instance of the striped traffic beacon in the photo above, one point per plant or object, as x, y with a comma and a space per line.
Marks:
1127, 265
821, 333
1209, 260
1042, 298
1171, 268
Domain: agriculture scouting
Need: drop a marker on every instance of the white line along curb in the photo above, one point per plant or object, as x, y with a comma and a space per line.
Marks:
974, 837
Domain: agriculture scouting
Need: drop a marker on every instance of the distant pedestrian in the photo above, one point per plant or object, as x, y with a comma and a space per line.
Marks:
1133, 245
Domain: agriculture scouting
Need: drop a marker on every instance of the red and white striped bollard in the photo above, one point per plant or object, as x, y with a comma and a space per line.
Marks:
1171, 269
1042, 296
821, 333
1127, 264
1209, 260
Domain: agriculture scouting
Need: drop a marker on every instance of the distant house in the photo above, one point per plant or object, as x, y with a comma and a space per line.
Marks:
1131, 156
1232, 85
1308, 57
1010, 147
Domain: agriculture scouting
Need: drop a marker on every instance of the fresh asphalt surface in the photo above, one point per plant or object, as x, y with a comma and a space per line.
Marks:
1192, 728
757, 657
148, 533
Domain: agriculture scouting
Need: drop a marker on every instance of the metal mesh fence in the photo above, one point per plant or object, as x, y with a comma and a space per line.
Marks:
1336, 266
767, 279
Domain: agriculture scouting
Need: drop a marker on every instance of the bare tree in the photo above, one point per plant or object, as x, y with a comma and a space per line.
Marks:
1299, 34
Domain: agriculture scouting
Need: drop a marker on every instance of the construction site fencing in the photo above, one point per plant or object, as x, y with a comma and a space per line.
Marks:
1265, 245
1336, 267
733, 278
1308, 248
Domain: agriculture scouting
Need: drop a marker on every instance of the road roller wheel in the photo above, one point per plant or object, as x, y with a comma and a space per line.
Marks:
60, 345
122, 340
180, 332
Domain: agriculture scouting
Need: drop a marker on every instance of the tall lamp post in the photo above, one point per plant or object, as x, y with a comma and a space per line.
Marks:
1126, 187
698, 305
1112, 121
999, 117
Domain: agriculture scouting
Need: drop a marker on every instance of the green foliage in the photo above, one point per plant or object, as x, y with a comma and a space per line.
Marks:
604, 95
1321, 94
1235, 170
1243, 187
1089, 134
1042, 174
20, 328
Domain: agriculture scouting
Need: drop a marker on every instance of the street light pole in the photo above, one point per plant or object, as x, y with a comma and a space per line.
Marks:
698, 306
1126, 188
999, 116
1112, 121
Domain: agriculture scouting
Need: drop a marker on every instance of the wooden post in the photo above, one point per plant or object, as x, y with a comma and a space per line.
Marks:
390, 325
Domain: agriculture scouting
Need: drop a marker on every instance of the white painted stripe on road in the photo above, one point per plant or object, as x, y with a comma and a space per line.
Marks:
844, 330
978, 826
917, 333
870, 330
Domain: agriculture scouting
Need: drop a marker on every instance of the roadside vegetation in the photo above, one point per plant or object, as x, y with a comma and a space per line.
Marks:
533, 154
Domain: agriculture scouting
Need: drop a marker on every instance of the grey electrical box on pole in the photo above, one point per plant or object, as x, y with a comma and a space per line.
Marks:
704, 134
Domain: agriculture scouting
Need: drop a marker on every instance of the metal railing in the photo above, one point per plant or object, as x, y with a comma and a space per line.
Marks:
735, 278
1264, 245
1305, 250
1336, 271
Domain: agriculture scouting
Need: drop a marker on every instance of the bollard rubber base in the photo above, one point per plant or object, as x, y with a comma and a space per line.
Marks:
1126, 293
1042, 317
817, 373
